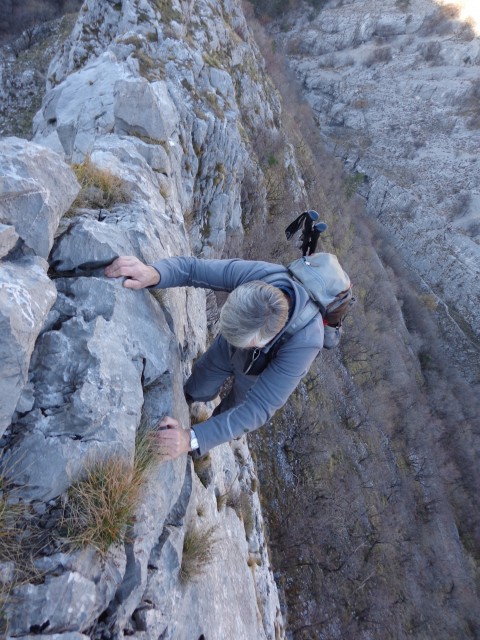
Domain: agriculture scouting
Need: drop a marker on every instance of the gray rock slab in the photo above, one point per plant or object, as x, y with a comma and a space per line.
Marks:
63, 603
26, 296
88, 241
74, 113
76, 588
36, 189
8, 238
145, 108
162, 496
88, 373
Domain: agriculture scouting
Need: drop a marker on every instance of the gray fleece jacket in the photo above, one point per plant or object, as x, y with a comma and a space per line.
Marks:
267, 392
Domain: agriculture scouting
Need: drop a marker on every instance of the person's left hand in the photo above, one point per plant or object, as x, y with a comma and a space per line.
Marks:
171, 438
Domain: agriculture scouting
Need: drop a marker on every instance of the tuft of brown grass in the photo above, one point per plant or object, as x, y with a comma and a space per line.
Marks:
22, 541
147, 453
247, 513
101, 504
198, 547
100, 188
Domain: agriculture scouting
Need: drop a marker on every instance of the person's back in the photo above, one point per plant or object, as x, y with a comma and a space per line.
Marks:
252, 322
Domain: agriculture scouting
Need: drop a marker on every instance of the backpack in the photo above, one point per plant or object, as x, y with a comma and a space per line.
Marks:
330, 290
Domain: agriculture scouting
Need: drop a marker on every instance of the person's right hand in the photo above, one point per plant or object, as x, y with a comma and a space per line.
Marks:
138, 275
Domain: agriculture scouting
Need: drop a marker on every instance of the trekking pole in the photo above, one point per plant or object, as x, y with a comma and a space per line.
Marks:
310, 233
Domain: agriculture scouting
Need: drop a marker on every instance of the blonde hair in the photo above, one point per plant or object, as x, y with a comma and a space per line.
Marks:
254, 311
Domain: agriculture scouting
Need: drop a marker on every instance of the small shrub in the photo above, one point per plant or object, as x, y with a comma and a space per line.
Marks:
352, 183
148, 67
403, 5
100, 188
431, 52
198, 547
440, 22
167, 11
382, 54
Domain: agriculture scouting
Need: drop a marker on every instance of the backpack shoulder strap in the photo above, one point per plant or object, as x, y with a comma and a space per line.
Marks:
309, 312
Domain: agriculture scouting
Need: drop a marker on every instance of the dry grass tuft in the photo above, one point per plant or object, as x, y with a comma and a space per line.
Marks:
22, 541
100, 188
101, 504
247, 513
198, 547
147, 453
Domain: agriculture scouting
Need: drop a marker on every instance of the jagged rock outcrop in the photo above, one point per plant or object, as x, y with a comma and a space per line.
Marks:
394, 86
36, 189
159, 98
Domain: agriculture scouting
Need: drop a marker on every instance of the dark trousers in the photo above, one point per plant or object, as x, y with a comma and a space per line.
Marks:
212, 369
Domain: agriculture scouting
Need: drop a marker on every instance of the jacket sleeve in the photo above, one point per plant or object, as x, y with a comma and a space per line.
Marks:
220, 275
269, 392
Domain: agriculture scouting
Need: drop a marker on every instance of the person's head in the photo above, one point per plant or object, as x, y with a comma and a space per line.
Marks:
253, 314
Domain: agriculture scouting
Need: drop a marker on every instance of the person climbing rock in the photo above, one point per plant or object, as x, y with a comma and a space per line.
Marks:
263, 304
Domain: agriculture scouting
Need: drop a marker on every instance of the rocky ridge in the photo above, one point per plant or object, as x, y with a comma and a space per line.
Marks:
394, 86
163, 97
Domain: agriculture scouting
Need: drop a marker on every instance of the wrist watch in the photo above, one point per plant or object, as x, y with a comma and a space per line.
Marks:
193, 441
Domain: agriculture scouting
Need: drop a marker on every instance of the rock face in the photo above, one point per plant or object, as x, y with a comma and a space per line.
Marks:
395, 88
36, 190
26, 296
159, 99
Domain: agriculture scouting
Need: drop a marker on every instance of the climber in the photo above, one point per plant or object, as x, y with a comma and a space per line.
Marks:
263, 302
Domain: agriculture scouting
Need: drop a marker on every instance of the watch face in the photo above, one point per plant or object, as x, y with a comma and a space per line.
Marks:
193, 440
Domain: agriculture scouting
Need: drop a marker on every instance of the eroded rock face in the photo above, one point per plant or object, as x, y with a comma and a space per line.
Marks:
26, 296
155, 96
394, 86
36, 189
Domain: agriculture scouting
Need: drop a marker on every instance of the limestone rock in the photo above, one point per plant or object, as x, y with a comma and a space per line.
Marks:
36, 189
8, 239
160, 100
144, 108
88, 371
79, 568
26, 296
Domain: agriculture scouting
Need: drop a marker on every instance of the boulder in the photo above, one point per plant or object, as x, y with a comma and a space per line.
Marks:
69, 125
36, 189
